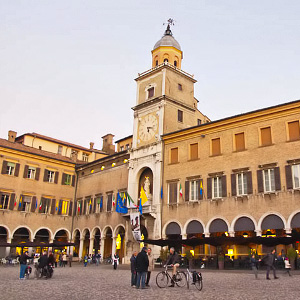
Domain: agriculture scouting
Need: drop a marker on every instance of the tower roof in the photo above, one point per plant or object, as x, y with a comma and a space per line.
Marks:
167, 40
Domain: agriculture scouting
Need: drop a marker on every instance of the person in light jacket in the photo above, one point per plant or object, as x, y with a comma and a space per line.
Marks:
151, 265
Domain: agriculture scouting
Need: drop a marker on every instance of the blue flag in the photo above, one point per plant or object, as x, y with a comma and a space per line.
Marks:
101, 202
140, 207
120, 208
161, 193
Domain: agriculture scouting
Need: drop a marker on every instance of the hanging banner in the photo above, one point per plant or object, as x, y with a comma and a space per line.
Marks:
135, 225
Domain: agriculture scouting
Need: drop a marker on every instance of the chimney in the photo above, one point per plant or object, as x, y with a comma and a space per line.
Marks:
108, 146
92, 145
12, 136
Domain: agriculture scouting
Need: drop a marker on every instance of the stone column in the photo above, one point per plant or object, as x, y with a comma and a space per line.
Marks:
50, 248
7, 249
258, 232
71, 248
102, 241
231, 233
184, 237
113, 248
80, 249
288, 230
91, 246
30, 248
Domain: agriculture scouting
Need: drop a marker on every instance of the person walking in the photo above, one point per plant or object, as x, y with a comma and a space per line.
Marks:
142, 264
70, 260
133, 269
150, 267
287, 266
85, 260
51, 259
115, 261
23, 264
269, 260
64, 259
254, 265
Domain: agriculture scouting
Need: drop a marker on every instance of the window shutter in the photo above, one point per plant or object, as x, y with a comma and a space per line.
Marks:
266, 137
63, 179
215, 147
37, 174
288, 177
209, 191
224, 186
59, 211
240, 141
45, 179
194, 151
84, 207
25, 171
73, 180
233, 184
17, 169
12, 201
294, 130
171, 193
200, 195
20, 206
56, 178
4, 167
70, 208
75, 207
260, 183
53, 206
94, 208
33, 202
277, 179
187, 191
249, 183
174, 155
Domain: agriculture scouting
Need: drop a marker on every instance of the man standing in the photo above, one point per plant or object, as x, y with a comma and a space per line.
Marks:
151, 266
133, 269
269, 261
173, 260
142, 263
23, 264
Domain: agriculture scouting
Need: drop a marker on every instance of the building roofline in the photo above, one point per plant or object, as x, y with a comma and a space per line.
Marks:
125, 138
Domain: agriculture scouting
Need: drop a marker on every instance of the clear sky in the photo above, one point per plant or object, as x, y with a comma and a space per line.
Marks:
67, 67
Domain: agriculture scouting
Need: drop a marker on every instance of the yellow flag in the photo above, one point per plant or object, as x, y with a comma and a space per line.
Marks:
144, 198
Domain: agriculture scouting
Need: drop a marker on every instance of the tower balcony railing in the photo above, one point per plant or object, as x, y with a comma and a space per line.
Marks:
162, 65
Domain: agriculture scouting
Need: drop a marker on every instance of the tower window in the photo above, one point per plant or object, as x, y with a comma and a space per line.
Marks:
150, 92
175, 63
180, 115
179, 86
166, 60
156, 62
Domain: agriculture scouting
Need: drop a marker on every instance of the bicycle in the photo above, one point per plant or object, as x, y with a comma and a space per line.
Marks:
195, 277
163, 278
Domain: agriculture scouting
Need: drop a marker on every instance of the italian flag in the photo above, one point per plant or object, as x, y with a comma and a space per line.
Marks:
130, 203
180, 191
113, 200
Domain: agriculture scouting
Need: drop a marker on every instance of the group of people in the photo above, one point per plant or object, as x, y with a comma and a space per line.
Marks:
269, 261
92, 258
142, 265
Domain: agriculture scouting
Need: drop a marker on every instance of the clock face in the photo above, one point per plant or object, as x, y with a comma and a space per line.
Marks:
148, 127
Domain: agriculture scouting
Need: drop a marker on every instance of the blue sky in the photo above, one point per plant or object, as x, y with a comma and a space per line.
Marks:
67, 67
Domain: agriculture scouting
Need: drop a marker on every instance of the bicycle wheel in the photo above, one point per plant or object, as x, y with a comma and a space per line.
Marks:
199, 284
180, 279
162, 280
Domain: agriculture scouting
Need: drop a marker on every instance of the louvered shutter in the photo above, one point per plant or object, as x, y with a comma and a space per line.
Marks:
209, 191
12, 201
187, 191
17, 169
33, 204
4, 167
249, 183
233, 184
260, 183
277, 179
224, 186
56, 178
25, 171
37, 174
70, 208
53, 206
73, 180
59, 207
288, 177
45, 179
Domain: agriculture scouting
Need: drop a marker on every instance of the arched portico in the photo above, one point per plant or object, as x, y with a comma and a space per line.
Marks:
107, 242
119, 241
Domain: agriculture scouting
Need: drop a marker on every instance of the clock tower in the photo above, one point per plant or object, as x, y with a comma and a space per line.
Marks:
165, 103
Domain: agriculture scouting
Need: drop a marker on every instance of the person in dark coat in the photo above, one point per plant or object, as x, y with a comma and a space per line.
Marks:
51, 259
269, 262
43, 260
142, 264
133, 269
254, 265
173, 261
23, 263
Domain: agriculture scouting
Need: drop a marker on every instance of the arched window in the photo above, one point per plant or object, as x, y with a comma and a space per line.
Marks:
156, 63
166, 60
175, 63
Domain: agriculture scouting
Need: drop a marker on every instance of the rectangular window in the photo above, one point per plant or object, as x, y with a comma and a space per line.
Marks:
215, 147
241, 184
26, 201
269, 180
180, 115
174, 155
109, 202
59, 150
173, 192
179, 87
99, 204
239, 141
122, 148
194, 151
296, 176
50, 176
79, 207
150, 92
68, 179
4, 201
127, 146
85, 157
294, 131
89, 206
266, 137
31, 172
64, 207
10, 169
44, 206
194, 190
216, 187
199, 122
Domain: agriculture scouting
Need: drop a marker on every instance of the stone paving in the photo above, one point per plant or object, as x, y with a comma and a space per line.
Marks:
104, 283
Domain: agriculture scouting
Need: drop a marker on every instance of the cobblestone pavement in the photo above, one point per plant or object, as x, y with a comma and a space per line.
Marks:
104, 283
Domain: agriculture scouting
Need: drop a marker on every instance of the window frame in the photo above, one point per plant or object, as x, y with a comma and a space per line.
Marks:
193, 191
10, 170
244, 185
5, 201
177, 192
65, 204
271, 180
109, 200
180, 116
26, 205
293, 176
31, 172
85, 157
218, 180
150, 92
50, 176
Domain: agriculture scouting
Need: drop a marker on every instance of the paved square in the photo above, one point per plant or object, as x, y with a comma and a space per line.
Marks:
104, 283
